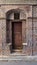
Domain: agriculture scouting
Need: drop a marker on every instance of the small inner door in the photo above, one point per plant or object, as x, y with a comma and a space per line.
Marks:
16, 35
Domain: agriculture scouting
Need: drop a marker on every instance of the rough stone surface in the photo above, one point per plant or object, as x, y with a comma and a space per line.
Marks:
18, 1
29, 35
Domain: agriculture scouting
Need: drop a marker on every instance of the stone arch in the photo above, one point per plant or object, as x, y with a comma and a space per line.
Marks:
21, 11
8, 14
8, 23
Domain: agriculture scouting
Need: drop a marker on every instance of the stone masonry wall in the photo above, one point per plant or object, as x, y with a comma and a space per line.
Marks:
29, 31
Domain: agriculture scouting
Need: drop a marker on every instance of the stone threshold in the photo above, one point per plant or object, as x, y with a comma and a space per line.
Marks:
18, 58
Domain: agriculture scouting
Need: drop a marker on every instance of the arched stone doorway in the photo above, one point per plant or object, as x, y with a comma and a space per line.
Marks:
14, 29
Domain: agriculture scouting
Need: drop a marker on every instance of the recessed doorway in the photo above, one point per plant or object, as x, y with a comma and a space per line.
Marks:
16, 35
